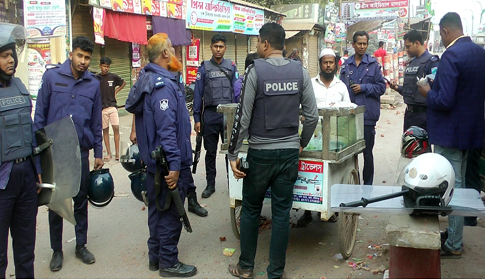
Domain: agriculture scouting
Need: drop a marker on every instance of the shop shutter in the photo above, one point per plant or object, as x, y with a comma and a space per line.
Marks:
312, 55
231, 46
206, 45
82, 25
119, 53
241, 51
253, 41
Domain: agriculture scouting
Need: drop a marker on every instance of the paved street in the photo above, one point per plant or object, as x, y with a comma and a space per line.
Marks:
118, 233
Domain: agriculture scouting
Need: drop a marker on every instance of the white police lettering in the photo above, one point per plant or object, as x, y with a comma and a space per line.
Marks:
282, 86
11, 101
164, 104
412, 70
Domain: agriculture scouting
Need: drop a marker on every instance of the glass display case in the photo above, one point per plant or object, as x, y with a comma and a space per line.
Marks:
338, 135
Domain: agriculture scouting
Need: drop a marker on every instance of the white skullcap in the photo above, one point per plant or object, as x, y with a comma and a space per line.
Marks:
326, 52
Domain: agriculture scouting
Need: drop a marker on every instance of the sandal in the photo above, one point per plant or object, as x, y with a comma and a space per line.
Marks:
239, 272
106, 158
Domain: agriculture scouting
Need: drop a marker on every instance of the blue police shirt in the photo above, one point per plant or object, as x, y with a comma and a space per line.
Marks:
61, 95
164, 120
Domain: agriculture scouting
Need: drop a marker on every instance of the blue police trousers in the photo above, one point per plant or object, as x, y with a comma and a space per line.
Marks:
18, 212
165, 226
213, 130
80, 212
277, 169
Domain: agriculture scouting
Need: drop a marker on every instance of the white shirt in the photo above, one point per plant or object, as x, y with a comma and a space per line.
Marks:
336, 95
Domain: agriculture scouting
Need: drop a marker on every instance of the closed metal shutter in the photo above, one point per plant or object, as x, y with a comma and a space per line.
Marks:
206, 45
231, 46
119, 53
253, 41
241, 51
82, 25
312, 55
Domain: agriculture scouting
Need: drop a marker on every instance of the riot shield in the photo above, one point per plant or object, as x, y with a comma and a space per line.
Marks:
60, 160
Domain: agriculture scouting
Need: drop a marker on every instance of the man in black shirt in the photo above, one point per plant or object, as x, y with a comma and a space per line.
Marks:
110, 85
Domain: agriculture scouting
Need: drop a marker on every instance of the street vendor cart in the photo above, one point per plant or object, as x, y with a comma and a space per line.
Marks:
330, 158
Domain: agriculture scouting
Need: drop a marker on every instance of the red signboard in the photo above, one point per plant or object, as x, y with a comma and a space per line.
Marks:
191, 74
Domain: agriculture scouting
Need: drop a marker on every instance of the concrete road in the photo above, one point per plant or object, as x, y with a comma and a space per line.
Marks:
118, 233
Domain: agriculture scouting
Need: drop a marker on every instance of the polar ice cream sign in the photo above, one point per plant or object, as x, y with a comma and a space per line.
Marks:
371, 10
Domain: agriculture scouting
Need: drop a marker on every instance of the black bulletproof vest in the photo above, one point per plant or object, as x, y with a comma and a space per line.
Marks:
15, 122
218, 88
410, 90
277, 102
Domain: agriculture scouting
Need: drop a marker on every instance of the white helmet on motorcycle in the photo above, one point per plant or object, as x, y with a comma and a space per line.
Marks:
430, 179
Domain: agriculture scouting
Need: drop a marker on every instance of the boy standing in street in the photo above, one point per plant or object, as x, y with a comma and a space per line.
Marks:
110, 85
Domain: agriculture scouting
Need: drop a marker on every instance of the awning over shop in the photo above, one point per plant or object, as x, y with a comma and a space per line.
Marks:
175, 28
366, 26
290, 34
126, 27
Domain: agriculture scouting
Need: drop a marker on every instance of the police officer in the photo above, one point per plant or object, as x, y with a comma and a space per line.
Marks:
162, 119
18, 191
214, 86
421, 65
362, 75
274, 146
70, 90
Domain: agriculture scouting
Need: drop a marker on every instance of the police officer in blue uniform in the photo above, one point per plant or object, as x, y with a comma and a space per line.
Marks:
214, 86
162, 119
18, 191
362, 75
70, 90
421, 65
268, 110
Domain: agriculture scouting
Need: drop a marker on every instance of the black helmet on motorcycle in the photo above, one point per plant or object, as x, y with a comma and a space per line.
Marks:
415, 142
138, 183
101, 187
130, 158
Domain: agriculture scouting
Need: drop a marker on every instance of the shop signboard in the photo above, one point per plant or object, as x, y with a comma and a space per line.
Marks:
247, 20
39, 56
136, 56
98, 20
191, 75
45, 18
209, 15
192, 58
374, 10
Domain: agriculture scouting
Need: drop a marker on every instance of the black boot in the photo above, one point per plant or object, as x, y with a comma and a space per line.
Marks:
305, 219
209, 190
194, 206
56, 261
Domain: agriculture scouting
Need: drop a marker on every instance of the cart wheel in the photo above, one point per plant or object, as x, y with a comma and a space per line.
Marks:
236, 218
348, 223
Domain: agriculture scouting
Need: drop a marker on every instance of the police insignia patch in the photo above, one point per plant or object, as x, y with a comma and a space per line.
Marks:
164, 104
198, 76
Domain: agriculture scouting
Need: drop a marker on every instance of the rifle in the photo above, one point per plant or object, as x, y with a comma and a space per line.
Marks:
159, 156
198, 141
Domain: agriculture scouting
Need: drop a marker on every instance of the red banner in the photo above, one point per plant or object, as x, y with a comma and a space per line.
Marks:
191, 74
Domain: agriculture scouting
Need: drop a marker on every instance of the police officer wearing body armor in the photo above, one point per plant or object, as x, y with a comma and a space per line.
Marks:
421, 65
268, 110
70, 90
162, 119
18, 191
214, 86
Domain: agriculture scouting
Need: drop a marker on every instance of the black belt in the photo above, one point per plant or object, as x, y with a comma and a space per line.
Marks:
417, 109
211, 108
20, 160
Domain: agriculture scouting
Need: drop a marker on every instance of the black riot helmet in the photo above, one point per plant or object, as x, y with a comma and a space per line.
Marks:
101, 187
138, 183
12, 36
131, 158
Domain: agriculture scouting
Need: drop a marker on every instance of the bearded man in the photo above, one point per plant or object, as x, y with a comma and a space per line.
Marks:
162, 119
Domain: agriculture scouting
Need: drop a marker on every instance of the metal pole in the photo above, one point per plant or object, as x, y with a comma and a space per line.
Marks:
472, 20
481, 9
